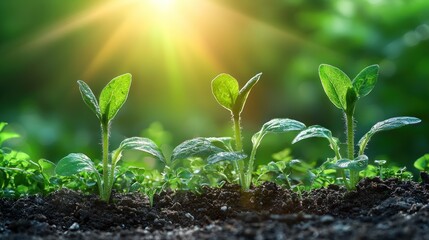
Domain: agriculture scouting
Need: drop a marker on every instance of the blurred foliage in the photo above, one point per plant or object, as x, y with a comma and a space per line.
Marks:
175, 48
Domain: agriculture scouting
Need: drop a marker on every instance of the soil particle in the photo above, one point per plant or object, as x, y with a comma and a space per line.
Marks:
377, 209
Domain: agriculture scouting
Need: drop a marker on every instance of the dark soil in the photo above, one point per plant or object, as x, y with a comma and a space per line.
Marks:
378, 209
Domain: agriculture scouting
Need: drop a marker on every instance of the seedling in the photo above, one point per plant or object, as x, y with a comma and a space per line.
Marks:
380, 164
226, 91
344, 93
111, 99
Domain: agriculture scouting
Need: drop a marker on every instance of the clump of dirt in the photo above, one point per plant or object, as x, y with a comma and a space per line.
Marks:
389, 209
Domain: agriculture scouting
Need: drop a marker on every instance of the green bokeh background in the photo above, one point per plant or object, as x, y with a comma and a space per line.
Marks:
173, 53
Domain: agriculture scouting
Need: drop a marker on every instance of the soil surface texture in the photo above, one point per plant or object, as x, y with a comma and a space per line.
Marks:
377, 209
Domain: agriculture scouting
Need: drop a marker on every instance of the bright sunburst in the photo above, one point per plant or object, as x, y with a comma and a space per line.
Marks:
163, 4
179, 39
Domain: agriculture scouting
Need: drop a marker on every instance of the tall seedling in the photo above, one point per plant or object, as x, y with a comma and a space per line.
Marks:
227, 93
344, 93
111, 99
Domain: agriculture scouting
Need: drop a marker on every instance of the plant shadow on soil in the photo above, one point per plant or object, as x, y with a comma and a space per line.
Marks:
389, 209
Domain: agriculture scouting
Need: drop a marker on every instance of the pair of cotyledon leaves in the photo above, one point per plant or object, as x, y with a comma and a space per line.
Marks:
226, 90
111, 99
341, 90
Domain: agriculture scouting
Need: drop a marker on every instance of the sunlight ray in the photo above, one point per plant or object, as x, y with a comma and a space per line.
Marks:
285, 33
112, 45
67, 26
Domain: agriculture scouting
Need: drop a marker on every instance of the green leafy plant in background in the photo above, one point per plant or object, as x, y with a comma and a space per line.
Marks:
226, 91
344, 94
422, 163
188, 168
111, 99
379, 169
19, 174
291, 173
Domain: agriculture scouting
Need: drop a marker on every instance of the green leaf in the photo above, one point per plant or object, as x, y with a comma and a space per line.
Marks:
365, 81
244, 93
313, 131
281, 125
393, 123
335, 84
140, 144
320, 132
422, 163
224, 141
225, 89
359, 164
114, 95
385, 125
2, 125
226, 156
48, 167
196, 147
89, 98
277, 125
74, 163
6, 135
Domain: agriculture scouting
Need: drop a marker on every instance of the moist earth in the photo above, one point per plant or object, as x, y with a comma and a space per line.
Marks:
377, 209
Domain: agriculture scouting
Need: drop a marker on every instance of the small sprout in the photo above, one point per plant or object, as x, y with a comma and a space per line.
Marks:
380, 163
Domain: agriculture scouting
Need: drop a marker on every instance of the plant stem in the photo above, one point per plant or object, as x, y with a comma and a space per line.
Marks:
350, 136
343, 175
252, 161
105, 145
237, 133
239, 165
354, 175
248, 174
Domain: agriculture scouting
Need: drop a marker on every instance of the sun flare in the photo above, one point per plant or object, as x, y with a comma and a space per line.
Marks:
162, 5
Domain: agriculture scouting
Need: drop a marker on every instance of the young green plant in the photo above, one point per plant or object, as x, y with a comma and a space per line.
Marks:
422, 163
226, 91
111, 99
344, 93
19, 174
